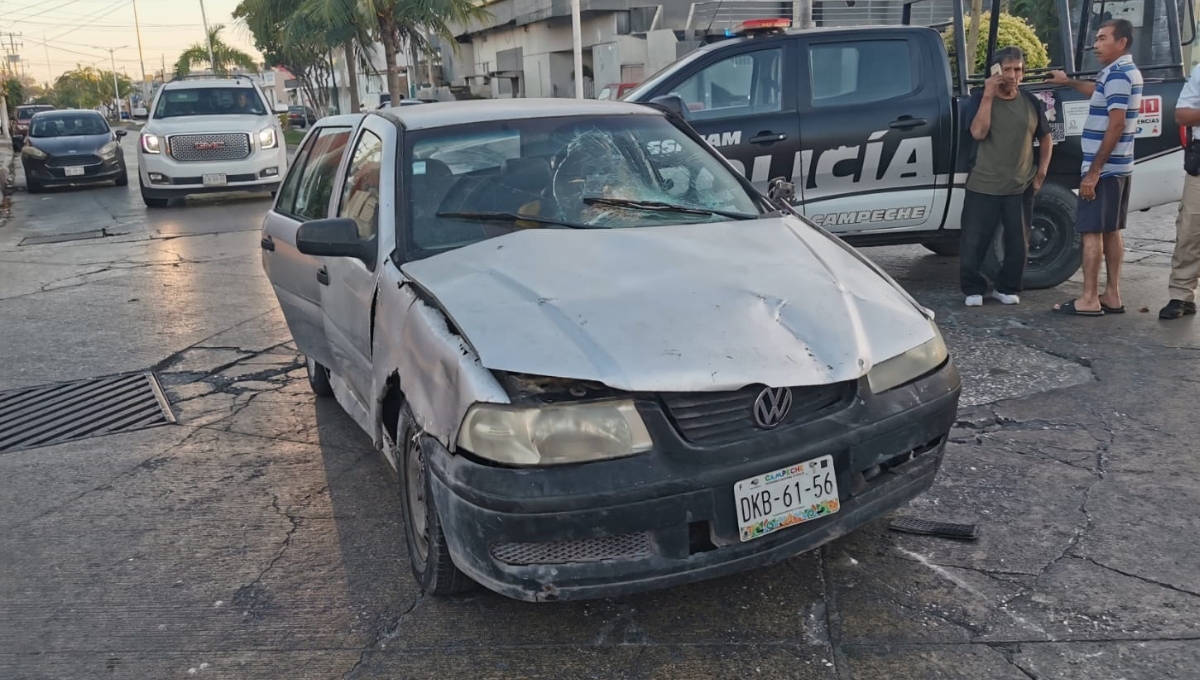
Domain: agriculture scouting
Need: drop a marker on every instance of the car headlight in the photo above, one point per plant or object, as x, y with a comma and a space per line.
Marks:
109, 150
554, 434
151, 143
33, 152
909, 366
267, 139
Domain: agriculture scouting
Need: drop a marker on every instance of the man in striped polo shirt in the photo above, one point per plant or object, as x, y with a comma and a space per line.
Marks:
1107, 167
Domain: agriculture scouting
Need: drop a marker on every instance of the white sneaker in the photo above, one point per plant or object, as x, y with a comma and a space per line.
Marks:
1005, 298
974, 300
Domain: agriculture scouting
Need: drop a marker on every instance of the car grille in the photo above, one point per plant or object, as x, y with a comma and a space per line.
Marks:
229, 147
723, 417
622, 547
72, 161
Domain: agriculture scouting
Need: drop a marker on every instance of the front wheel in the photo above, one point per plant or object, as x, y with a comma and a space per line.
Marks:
150, 201
123, 178
428, 554
34, 187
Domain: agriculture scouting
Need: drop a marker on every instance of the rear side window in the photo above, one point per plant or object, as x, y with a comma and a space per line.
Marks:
309, 188
852, 74
735, 86
360, 197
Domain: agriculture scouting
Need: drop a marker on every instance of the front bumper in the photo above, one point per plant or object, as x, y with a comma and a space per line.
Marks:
165, 177
667, 517
46, 175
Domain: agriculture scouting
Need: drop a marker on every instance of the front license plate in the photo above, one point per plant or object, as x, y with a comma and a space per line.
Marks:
74, 172
215, 180
786, 497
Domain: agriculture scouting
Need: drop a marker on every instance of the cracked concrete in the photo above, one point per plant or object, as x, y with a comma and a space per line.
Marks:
262, 536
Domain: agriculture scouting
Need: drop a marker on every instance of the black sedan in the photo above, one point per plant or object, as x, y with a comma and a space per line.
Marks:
72, 147
301, 116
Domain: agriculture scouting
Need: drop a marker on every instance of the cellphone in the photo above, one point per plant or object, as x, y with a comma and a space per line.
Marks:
996, 69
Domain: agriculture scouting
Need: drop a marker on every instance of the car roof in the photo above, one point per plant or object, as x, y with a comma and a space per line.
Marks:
63, 113
448, 114
44, 107
204, 82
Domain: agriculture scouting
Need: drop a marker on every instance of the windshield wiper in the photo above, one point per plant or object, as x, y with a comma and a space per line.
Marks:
513, 217
659, 206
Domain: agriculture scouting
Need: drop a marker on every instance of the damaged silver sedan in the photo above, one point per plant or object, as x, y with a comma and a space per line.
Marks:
597, 359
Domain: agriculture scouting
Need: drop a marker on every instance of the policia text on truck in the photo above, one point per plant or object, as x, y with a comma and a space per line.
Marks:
869, 122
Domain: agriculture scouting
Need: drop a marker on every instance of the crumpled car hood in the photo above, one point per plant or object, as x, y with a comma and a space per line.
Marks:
702, 307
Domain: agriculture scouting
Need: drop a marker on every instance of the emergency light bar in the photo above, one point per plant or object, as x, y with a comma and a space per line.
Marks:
755, 26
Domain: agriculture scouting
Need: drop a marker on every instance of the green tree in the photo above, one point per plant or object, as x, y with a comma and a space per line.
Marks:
14, 94
299, 41
397, 23
1043, 16
86, 87
224, 56
1012, 31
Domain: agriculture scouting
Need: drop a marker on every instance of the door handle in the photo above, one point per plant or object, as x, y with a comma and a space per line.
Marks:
768, 138
267, 244
323, 276
906, 123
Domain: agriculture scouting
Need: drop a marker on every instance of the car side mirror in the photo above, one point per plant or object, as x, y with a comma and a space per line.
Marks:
122, 133
336, 237
671, 103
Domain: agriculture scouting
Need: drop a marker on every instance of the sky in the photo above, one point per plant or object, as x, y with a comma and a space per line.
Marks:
53, 36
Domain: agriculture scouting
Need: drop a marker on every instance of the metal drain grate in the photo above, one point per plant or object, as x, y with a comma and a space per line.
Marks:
63, 412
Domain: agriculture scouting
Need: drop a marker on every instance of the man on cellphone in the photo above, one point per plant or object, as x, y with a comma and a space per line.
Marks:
1107, 167
1004, 123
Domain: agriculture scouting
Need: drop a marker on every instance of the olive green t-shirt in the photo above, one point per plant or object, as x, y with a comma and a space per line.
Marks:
1004, 159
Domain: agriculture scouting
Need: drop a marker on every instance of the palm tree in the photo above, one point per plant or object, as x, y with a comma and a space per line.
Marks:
224, 56
397, 22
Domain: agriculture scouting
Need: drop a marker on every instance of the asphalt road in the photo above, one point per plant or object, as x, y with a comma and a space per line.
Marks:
261, 537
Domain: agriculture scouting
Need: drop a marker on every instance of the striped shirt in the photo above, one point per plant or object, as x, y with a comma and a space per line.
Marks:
1119, 86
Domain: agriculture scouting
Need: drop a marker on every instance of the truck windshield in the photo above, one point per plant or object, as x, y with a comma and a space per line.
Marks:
475, 182
209, 101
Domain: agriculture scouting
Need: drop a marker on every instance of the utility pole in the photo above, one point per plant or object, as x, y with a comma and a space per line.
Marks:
211, 61
49, 69
116, 88
141, 57
577, 38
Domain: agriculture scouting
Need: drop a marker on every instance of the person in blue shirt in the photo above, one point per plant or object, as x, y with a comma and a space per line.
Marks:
1116, 101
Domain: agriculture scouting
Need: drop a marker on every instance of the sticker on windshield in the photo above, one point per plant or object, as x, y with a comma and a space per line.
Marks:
418, 167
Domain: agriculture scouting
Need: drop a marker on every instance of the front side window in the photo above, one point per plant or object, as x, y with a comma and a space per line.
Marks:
360, 196
210, 101
69, 126
857, 73
471, 183
735, 86
308, 189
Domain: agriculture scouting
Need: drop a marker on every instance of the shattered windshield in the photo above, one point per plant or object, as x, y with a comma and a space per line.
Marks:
476, 182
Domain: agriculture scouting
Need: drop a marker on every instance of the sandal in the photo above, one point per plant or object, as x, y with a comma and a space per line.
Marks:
1069, 308
1112, 310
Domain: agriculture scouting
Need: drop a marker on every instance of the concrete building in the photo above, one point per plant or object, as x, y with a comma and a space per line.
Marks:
525, 48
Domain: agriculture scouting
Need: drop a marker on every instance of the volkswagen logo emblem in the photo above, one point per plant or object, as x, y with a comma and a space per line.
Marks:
772, 406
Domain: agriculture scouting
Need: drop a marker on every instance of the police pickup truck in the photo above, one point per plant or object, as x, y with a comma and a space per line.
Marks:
868, 124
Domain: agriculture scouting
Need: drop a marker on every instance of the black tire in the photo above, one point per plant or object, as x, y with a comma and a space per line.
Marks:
428, 554
123, 178
150, 201
34, 187
944, 247
318, 378
1054, 251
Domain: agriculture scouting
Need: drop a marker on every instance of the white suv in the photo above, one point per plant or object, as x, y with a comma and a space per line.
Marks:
207, 135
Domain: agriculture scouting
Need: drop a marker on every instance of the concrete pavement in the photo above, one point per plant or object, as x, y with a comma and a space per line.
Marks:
262, 538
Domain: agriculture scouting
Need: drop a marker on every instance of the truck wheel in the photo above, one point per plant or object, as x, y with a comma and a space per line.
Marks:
945, 248
150, 201
318, 378
1054, 252
428, 554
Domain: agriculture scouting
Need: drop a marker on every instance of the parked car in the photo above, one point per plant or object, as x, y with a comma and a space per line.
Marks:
72, 147
20, 124
598, 360
301, 116
209, 135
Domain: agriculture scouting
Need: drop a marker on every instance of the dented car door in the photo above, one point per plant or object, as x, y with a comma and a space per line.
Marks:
348, 290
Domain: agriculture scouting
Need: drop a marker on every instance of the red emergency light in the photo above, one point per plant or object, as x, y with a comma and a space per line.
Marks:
763, 25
